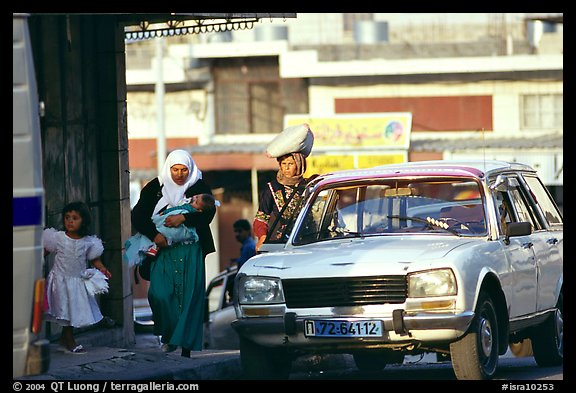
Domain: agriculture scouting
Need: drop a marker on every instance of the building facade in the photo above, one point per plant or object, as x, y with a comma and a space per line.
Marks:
80, 66
487, 87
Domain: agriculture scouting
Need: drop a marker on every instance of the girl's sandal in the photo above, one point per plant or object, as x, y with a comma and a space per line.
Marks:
77, 350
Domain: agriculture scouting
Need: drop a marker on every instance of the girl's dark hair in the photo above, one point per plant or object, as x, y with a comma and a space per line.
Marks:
84, 212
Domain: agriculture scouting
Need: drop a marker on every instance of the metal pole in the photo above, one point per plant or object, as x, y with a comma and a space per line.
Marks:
161, 137
210, 113
255, 195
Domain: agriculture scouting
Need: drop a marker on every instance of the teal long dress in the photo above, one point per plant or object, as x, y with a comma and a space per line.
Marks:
176, 295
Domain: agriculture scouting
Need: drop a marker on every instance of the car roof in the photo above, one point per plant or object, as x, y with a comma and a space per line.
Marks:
474, 168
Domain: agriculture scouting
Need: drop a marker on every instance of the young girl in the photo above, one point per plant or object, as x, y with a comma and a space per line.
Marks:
71, 287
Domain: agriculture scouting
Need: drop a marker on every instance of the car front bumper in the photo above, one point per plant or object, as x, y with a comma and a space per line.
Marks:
399, 330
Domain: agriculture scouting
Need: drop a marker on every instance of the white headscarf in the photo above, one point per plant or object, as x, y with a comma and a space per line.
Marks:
172, 193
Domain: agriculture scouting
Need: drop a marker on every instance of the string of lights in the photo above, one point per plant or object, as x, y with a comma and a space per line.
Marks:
173, 28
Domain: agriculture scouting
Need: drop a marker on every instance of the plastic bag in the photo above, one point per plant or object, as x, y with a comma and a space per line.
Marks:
292, 140
95, 281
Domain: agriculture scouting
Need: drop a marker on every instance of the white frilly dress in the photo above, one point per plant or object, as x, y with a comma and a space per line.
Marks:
71, 286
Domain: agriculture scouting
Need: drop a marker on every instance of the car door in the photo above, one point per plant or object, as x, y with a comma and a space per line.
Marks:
521, 253
549, 244
218, 332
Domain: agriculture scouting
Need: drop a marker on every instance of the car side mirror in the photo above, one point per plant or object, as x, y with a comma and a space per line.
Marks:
501, 184
517, 229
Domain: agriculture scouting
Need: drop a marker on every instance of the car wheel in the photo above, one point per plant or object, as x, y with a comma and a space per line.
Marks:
548, 339
377, 360
475, 356
259, 362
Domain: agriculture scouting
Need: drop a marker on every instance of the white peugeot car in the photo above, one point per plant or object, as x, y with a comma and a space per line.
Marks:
457, 258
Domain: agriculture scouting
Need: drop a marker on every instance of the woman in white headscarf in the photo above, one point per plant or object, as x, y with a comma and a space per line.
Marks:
177, 276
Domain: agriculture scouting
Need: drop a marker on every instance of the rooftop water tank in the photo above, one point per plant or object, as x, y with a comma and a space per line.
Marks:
370, 32
271, 33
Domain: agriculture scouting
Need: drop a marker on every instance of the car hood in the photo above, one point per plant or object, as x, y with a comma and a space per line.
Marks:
368, 256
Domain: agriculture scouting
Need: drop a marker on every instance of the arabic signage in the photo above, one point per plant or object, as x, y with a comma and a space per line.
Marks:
352, 141
383, 130
318, 164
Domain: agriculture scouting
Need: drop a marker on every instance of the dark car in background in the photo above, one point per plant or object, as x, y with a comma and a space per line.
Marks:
218, 331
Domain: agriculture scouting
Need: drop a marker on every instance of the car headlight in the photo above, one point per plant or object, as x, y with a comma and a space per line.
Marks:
432, 283
258, 290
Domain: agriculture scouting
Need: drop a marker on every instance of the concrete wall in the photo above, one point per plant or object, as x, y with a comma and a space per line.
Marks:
505, 96
79, 61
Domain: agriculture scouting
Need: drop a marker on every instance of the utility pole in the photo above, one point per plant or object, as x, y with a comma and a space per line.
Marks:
161, 137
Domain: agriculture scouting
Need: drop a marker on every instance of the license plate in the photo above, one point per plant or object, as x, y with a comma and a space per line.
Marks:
331, 328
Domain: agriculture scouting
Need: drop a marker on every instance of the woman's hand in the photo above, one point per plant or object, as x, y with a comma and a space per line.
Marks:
160, 240
175, 220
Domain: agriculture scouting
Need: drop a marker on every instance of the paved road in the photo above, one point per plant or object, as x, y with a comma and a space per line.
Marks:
146, 362
426, 368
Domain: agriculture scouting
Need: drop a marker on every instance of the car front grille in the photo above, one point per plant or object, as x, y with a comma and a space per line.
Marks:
344, 291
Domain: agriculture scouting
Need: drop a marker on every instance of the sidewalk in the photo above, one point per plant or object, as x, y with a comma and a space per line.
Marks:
145, 361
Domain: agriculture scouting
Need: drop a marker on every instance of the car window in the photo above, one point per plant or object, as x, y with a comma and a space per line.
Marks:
313, 219
214, 294
544, 200
524, 209
388, 206
520, 206
504, 210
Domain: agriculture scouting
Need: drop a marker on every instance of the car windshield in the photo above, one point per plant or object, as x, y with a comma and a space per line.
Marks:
449, 206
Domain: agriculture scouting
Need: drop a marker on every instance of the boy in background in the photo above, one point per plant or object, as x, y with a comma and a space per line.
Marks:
243, 232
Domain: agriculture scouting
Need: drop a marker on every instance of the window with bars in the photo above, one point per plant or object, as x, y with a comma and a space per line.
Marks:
542, 111
251, 98
249, 108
